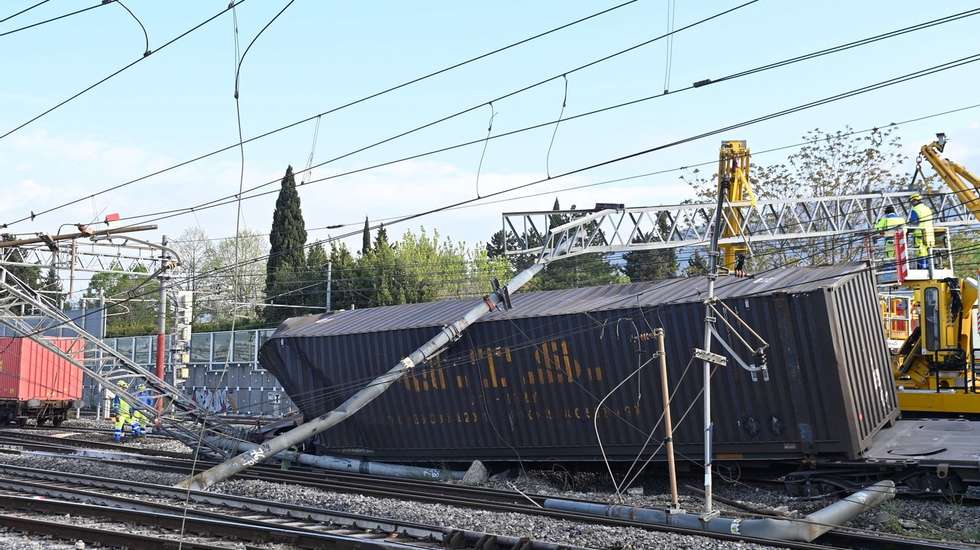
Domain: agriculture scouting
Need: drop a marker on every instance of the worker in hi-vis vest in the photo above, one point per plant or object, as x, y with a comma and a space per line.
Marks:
886, 226
920, 224
121, 411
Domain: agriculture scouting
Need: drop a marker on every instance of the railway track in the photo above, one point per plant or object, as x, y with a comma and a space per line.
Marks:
411, 490
487, 499
239, 518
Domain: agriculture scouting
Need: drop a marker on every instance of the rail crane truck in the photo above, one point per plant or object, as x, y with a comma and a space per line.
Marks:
935, 366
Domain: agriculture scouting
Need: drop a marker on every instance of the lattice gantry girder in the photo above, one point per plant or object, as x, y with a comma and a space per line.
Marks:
573, 232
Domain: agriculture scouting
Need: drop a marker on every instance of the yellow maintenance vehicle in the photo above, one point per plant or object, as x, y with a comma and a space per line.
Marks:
930, 315
734, 162
935, 366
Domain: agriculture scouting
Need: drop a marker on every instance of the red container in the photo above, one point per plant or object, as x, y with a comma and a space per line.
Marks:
30, 371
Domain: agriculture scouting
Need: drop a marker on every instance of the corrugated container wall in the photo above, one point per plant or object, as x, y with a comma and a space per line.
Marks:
29, 371
526, 383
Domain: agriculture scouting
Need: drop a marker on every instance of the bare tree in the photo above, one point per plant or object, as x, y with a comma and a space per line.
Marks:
828, 164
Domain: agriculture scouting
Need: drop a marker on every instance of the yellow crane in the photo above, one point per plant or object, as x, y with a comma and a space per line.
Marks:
935, 366
733, 166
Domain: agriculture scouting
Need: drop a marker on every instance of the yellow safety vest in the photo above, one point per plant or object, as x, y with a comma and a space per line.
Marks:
887, 225
923, 225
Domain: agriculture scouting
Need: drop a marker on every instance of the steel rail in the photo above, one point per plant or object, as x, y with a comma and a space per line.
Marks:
252, 512
10, 437
203, 526
70, 532
839, 539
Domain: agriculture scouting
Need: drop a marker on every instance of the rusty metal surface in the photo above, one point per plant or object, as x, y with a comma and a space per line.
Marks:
28, 371
526, 382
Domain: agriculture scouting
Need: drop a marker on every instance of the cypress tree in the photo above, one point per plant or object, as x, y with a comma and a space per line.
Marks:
286, 254
381, 241
366, 238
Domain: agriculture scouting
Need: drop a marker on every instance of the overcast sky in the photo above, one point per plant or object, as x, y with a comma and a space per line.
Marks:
179, 102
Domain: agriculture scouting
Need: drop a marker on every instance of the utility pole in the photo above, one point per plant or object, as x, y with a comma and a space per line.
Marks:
71, 271
329, 284
709, 324
162, 318
675, 504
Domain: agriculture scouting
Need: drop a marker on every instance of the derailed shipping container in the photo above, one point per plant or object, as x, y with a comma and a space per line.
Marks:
37, 383
527, 382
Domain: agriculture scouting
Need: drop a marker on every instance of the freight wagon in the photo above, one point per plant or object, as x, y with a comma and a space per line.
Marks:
36, 383
526, 383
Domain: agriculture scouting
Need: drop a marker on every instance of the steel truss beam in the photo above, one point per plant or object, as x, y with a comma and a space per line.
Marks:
613, 230
105, 255
181, 417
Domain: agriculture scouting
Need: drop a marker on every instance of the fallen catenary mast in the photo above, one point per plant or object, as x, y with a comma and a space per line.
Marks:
807, 529
369, 393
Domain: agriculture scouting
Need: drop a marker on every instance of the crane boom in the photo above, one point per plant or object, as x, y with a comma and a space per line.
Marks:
953, 175
733, 166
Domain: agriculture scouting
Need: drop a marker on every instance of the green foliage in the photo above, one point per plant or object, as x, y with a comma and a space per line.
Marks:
966, 253
577, 271
697, 265
420, 267
287, 257
652, 265
51, 285
828, 164
316, 268
345, 292
366, 238
136, 316
29, 275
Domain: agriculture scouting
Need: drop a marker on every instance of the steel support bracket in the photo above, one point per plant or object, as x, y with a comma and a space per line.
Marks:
713, 358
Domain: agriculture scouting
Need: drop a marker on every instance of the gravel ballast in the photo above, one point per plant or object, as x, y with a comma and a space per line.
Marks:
511, 524
915, 518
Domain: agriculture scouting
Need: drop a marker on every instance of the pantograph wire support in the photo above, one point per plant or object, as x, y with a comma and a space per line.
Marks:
309, 160
146, 37
564, 102
483, 154
671, 12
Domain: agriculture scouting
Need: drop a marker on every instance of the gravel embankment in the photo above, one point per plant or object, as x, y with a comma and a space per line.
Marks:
933, 519
517, 525
18, 540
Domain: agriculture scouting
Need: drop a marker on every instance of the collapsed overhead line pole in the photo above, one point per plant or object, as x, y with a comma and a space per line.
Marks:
101, 362
110, 250
43, 238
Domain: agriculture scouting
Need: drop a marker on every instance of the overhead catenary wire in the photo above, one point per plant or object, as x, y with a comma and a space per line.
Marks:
777, 114
346, 105
114, 74
51, 20
221, 201
805, 57
837, 97
23, 11
238, 218
712, 162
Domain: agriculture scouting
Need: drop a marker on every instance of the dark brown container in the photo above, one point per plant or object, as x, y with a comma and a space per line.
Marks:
526, 382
